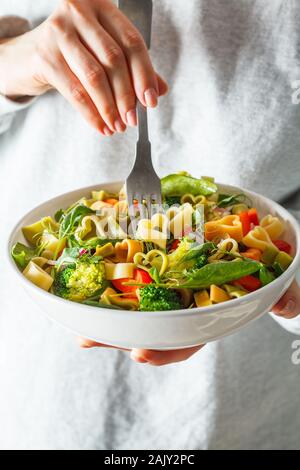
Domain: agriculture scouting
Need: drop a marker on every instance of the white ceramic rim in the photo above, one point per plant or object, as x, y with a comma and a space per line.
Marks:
290, 272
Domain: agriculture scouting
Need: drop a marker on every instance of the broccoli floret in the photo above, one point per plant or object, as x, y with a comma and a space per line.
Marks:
61, 280
80, 281
172, 200
154, 298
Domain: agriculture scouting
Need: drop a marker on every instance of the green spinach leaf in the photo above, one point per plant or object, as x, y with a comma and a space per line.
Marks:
220, 273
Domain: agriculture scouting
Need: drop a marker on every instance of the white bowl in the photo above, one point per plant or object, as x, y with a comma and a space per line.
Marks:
174, 329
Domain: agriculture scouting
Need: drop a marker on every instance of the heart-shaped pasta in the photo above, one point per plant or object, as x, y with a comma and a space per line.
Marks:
154, 258
258, 238
125, 250
228, 245
105, 227
193, 200
230, 224
154, 230
180, 218
273, 225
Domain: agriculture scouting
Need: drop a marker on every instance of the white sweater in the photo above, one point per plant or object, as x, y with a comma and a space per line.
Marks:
229, 114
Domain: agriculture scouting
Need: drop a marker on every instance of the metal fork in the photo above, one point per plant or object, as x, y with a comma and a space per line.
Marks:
142, 185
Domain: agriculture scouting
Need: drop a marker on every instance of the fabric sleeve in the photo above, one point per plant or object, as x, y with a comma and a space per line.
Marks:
293, 325
12, 26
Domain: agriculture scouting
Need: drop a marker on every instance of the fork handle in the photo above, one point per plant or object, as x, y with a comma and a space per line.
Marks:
142, 123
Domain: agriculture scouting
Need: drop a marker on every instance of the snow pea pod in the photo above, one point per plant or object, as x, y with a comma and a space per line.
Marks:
265, 276
220, 273
178, 185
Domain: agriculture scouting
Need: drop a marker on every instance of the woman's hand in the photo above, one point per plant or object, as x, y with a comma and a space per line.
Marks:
287, 307
149, 356
93, 55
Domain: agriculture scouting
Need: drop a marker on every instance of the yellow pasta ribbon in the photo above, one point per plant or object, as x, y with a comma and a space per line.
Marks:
111, 297
52, 243
230, 224
154, 230
33, 232
98, 205
202, 298
273, 225
99, 195
38, 276
218, 295
119, 270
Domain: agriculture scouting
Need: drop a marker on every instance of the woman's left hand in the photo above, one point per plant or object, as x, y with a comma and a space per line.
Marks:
287, 307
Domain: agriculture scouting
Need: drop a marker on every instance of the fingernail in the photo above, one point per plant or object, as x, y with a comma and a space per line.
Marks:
289, 307
119, 126
131, 118
107, 131
137, 358
150, 96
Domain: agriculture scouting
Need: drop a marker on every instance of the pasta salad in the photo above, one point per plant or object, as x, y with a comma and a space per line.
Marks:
199, 248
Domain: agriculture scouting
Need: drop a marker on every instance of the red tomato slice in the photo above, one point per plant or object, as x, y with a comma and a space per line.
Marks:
283, 246
140, 276
111, 200
174, 244
245, 219
250, 283
253, 216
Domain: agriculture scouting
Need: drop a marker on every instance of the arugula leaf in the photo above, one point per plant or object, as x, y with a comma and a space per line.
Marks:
154, 274
226, 200
72, 219
68, 256
91, 243
58, 215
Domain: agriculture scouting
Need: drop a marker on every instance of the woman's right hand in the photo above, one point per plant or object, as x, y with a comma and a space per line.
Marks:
93, 55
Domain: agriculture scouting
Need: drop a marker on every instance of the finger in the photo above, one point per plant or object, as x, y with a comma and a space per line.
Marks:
109, 54
162, 85
131, 42
88, 343
93, 77
159, 358
289, 305
62, 78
